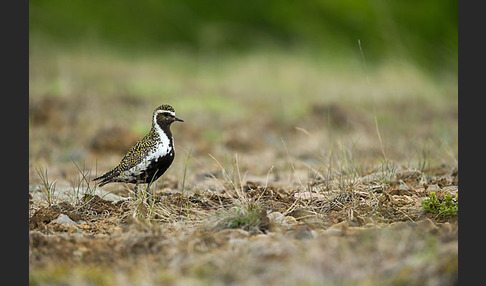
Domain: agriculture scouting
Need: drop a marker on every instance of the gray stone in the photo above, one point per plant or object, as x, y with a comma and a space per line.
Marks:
276, 217
64, 219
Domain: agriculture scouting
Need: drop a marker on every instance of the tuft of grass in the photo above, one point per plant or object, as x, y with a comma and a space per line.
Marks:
49, 187
244, 213
83, 181
444, 206
387, 169
186, 164
423, 160
145, 205
250, 216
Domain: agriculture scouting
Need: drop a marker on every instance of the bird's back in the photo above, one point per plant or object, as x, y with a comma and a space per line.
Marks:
134, 156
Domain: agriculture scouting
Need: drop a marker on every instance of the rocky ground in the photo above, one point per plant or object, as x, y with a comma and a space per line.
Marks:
363, 230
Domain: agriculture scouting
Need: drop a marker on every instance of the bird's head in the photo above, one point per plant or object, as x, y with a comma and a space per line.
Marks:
164, 115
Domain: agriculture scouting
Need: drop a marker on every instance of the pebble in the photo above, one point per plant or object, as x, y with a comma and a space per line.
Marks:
233, 233
64, 219
303, 232
276, 217
425, 225
432, 188
337, 228
290, 220
408, 175
450, 189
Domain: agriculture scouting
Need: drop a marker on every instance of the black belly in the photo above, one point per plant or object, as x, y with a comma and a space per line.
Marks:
156, 169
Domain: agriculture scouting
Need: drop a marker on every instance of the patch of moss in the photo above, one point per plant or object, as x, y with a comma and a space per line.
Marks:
446, 205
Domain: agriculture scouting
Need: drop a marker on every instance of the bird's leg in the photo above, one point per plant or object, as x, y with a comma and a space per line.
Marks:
135, 189
148, 193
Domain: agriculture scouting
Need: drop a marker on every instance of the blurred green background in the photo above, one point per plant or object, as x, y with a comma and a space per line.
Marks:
244, 74
423, 32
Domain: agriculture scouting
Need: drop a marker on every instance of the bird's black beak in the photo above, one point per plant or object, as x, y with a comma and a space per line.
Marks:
178, 119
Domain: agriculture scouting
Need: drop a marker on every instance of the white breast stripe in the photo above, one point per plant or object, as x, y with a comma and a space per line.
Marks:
161, 150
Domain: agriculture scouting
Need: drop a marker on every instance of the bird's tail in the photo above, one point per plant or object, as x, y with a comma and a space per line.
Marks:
105, 178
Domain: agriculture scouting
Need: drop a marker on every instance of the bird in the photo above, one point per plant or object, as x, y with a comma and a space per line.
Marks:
150, 157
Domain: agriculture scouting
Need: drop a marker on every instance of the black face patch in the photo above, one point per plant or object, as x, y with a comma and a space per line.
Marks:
164, 118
